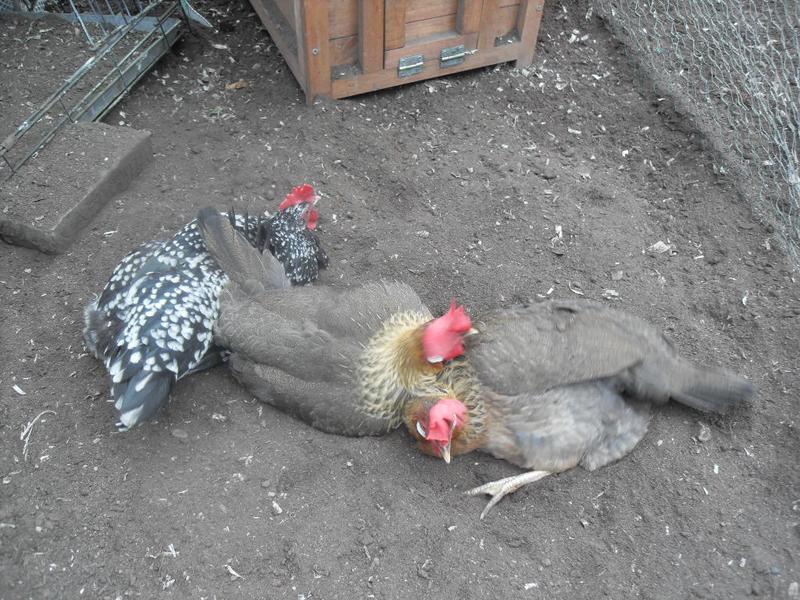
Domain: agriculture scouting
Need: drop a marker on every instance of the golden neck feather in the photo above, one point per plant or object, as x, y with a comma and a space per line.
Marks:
461, 382
393, 368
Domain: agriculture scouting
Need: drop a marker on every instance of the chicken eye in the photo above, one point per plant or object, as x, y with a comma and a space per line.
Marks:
421, 430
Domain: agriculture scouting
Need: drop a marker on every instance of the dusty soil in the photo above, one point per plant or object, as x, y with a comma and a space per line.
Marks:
456, 186
44, 189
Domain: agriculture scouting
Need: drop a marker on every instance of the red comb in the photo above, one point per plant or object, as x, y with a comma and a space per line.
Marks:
443, 417
302, 193
458, 319
443, 337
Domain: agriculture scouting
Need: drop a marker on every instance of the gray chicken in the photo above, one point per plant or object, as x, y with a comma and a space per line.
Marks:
344, 360
559, 384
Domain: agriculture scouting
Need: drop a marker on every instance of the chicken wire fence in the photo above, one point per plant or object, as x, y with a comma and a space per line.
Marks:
125, 38
734, 67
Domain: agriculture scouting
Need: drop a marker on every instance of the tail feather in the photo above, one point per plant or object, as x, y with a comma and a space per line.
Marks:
713, 391
141, 396
100, 331
709, 390
252, 271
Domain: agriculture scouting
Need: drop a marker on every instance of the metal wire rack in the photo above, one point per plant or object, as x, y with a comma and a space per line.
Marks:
126, 38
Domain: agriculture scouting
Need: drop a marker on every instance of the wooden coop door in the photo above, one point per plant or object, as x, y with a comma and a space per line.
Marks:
445, 31
429, 31
340, 48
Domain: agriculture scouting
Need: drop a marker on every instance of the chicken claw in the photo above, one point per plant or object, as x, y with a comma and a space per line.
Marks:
502, 487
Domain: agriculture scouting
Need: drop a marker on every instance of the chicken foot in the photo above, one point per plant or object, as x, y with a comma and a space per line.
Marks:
502, 487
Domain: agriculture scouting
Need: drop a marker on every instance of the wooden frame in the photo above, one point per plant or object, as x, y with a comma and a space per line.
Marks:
339, 48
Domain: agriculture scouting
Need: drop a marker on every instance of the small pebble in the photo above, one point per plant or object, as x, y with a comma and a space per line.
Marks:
424, 570
180, 434
704, 434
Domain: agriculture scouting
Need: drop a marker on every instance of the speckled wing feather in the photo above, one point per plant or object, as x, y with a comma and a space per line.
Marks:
125, 273
167, 334
152, 324
295, 246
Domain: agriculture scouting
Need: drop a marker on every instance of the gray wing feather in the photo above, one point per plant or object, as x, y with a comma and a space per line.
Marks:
299, 349
311, 332
535, 348
248, 268
585, 424
339, 412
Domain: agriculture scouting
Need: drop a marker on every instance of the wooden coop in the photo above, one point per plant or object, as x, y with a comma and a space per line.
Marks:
339, 48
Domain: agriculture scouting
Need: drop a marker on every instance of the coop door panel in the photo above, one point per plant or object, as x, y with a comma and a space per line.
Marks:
426, 28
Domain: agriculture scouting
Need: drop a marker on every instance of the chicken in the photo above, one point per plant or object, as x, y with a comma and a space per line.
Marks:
290, 236
152, 324
559, 384
344, 360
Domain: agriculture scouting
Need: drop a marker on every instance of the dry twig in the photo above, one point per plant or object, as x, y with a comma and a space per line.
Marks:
25, 436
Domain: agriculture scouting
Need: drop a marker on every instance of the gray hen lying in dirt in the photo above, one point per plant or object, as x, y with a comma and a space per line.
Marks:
344, 360
559, 384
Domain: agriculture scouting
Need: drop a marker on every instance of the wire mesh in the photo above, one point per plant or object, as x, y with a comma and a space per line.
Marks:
126, 38
99, 20
734, 66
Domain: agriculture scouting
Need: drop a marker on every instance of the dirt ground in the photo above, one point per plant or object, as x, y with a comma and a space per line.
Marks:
457, 186
46, 50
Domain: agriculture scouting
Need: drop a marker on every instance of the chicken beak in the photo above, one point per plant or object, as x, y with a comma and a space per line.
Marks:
472, 331
445, 452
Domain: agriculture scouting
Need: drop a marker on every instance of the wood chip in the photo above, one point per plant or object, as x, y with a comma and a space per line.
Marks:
234, 575
237, 85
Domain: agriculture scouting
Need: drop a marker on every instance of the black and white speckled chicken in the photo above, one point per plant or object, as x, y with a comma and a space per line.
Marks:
152, 324
291, 239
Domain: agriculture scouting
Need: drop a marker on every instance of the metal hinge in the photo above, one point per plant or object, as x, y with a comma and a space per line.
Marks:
410, 65
455, 55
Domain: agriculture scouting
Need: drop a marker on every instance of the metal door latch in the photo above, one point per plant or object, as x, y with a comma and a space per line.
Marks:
454, 55
410, 65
